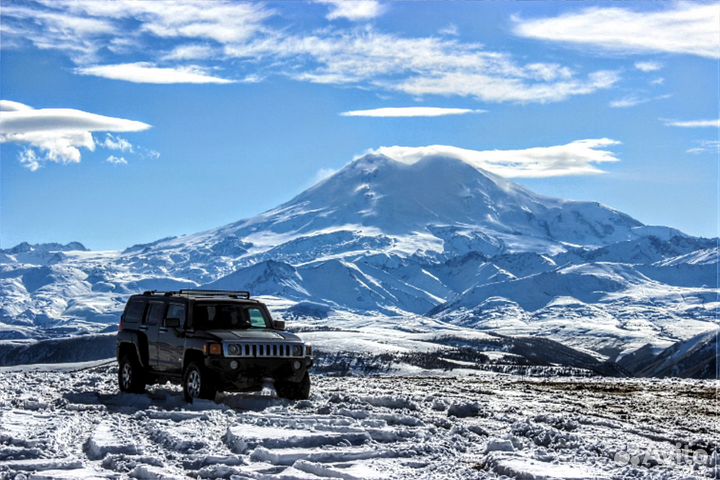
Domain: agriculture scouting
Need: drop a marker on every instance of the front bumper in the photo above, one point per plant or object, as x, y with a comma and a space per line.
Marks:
249, 373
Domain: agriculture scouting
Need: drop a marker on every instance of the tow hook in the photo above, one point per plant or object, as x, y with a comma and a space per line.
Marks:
268, 388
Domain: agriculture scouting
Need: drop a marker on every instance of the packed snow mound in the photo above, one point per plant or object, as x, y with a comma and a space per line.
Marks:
62, 423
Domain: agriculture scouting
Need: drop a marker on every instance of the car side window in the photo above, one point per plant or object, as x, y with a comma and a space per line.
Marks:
257, 318
176, 310
156, 313
134, 311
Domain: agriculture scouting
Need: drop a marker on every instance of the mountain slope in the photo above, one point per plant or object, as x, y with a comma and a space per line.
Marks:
693, 358
386, 238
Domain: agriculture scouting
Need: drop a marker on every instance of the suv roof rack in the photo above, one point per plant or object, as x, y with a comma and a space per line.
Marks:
190, 292
214, 293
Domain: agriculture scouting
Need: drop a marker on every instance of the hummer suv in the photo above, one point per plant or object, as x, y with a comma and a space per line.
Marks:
209, 341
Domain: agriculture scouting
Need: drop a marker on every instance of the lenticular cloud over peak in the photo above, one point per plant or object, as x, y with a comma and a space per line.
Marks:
579, 157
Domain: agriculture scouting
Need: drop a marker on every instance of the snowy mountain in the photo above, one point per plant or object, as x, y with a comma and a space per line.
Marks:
385, 239
693, 358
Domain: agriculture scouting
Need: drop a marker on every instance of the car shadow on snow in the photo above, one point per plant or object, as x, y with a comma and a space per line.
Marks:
164, 398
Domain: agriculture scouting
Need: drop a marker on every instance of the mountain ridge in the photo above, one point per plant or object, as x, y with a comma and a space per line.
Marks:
382, 238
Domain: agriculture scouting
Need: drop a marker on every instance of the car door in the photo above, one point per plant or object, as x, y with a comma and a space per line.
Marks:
154, 318
171, 340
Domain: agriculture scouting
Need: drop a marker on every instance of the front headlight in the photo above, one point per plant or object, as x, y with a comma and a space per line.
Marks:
213, 349
308, 350
297, 350
234, 349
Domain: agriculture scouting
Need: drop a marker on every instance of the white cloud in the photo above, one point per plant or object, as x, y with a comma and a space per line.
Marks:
219, 20
633, 100
82, 29
77, 35
648, 66
29, 159
657, 81
10, 106
498, 88
706, 146
223, 32
693, 123
151, 154
627, 102
56, 134
115, 160
143, 72
576, 158
683, 28
420, 66
191, 52
353, 10
402, 112
112, 142
450, 30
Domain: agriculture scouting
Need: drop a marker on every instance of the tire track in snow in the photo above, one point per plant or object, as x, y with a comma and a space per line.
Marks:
75, 424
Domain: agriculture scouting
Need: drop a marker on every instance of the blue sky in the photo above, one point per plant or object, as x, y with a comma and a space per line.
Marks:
124, 122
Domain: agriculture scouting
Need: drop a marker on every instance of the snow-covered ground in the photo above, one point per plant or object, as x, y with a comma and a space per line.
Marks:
71, 422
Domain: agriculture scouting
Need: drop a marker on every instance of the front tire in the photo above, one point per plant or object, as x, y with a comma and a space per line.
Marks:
295, 391
197, 383
131, 377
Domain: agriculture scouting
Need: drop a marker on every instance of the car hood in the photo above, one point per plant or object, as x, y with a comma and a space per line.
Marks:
254, 335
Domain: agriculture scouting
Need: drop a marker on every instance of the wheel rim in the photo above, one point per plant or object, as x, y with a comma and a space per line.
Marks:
126, 376
193, 383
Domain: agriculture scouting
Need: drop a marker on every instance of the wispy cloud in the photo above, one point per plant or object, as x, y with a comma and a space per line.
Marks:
191, 52
220, 20
143, 72
693, 123
219, 35
705, 146
404, 112
683, 28
78, 36
115, 160
112, 142
353, 10
82, 29
575, 158
450, 30
634, 100
56, 134
648, 66
421, 66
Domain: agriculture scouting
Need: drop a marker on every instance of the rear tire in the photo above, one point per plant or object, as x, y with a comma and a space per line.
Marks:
295, 391
197, 383
131, 377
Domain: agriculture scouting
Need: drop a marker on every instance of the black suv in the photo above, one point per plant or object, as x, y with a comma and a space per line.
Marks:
210, 341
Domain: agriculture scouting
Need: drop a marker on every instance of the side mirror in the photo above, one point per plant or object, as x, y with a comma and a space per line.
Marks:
278, 324
172, 322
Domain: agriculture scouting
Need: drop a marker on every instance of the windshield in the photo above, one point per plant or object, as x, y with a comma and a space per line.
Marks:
228, 316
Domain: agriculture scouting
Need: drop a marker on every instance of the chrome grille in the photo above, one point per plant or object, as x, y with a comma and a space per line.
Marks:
263, 350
